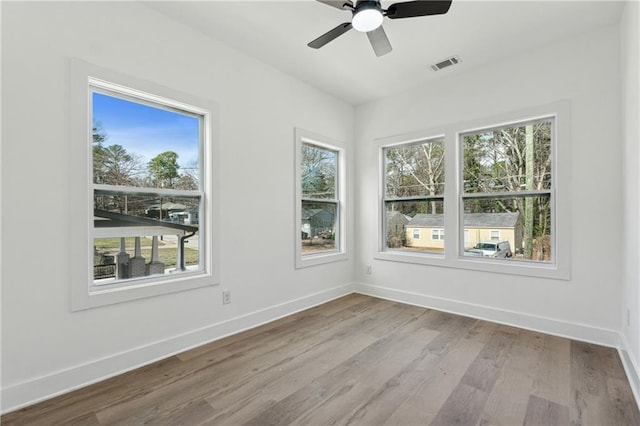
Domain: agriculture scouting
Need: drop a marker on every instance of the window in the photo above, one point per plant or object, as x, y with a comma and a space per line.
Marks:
147, 197
148, 189
509, 209
320, 199
507, 182
414, 194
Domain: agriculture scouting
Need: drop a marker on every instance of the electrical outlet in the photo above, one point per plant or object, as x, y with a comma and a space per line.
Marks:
367, 270
226, 297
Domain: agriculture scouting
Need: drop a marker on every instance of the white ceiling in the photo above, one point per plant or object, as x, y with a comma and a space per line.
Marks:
277, 33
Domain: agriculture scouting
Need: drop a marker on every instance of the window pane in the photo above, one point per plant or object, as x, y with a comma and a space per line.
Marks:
178, 210
117, 259
319, 169
121, 218
135, 144
516, 158
414, 170
410, 225
524, 227
318, 227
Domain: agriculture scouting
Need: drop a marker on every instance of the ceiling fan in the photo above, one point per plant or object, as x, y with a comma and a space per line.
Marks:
368, 15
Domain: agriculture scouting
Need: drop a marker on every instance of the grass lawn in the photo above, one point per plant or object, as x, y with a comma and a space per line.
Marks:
169, 255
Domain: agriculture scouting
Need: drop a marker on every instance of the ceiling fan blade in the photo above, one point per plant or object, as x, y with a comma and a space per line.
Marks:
338, 4
411, 9
330, 35
379, 41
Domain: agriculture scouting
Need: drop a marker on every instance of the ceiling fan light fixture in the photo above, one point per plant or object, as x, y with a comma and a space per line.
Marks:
367, 16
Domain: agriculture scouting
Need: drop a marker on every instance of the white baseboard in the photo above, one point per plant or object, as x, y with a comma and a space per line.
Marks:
551, 326
630, 367
44, 387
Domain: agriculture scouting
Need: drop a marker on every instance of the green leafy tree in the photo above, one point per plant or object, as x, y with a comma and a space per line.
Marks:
163, 169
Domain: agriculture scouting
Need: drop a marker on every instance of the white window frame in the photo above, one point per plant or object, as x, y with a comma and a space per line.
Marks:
437, 234
85, 293
491, 232
382, 252
302, 137
416, 231
560, 266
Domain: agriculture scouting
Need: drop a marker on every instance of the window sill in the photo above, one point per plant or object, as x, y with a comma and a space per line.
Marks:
319, 259
496, 266
97, 296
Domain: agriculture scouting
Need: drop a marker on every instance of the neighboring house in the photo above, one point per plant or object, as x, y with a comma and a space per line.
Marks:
427, 230
164, 210
396, 223
188, 217
317, 222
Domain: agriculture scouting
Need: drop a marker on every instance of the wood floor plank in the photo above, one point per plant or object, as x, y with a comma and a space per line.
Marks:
542, 412
365, 361
386, 400
452, 412
472, 392
553, 377
374, 365
243, 401
623, 407
508, 401
427, 399
94, 397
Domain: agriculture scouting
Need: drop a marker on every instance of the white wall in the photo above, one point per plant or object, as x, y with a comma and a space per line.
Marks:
46, 348
630, 55
583, 70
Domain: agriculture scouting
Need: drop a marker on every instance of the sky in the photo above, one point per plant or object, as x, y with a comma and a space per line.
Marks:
144, 130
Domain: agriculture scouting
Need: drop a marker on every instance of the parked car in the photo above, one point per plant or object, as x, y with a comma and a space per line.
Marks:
498, 249
473, 253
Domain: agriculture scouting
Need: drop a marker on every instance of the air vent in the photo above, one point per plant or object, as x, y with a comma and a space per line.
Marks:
446, 63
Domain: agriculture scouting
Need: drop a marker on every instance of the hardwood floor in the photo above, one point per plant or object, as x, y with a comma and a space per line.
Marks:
361, 360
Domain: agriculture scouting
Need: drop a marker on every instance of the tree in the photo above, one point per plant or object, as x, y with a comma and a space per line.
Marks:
318, 172
414, 171
113, 165
163, 169
119, 166
99, 137
512, 159
190, 176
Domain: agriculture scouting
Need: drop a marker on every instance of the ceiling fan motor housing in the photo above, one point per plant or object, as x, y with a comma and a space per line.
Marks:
367, 15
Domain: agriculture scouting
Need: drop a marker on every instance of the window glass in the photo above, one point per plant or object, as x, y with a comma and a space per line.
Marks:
414, 196
147, 196
507, 184
318, 226
319, 205
319, 169
415, 169
508, 159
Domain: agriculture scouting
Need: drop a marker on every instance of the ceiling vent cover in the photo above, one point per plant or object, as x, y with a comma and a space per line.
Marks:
446, 63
